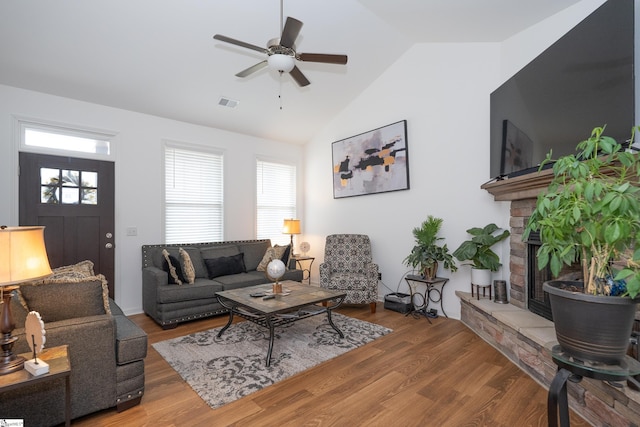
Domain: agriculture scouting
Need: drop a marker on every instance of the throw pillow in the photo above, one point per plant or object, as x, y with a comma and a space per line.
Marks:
286, 256
275, 252
60, 299
225, 265
173, 269
187, 266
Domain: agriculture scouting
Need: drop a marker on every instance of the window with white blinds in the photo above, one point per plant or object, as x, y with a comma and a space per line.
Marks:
193, 195
276, 199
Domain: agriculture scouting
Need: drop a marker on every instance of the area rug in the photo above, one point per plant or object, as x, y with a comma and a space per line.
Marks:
224, 369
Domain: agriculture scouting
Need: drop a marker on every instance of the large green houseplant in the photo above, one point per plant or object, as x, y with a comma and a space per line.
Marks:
478, 250
427, 252
590, 214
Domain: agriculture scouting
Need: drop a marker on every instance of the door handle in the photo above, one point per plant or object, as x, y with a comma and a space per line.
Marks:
109, 245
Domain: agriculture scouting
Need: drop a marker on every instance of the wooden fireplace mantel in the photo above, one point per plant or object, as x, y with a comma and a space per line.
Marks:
520, 187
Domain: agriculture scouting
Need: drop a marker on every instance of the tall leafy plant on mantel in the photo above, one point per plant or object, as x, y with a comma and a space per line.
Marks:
590, 214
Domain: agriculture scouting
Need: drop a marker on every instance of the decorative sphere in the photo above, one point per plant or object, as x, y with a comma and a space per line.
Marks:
276, 269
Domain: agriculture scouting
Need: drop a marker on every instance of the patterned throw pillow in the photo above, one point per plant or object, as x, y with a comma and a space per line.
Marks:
275, 252
187, 266
172, 267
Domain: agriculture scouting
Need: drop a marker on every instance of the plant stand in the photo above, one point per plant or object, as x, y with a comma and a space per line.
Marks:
574, 370
477, 290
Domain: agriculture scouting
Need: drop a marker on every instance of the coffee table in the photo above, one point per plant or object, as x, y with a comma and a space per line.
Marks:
297, 302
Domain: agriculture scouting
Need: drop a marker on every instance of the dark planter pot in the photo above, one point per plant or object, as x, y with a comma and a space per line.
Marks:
589, 327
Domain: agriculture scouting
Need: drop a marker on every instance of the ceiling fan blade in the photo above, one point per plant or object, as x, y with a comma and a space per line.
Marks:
297, 75
252, 69
239, 43
290, 32
323, 57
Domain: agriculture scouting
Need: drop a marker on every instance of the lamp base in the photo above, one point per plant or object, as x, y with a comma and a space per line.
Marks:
9, 362
11, 365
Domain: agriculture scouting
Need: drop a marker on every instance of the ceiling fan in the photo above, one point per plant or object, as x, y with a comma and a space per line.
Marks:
281, 53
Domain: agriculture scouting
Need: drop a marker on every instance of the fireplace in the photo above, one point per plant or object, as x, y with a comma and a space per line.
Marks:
537, 299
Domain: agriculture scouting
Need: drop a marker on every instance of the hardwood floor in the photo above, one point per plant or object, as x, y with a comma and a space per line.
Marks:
439, 374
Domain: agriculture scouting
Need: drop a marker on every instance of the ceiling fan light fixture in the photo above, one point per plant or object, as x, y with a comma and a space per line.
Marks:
280, 62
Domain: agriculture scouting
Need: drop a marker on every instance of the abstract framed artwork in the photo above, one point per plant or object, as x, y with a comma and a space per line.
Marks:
372, 162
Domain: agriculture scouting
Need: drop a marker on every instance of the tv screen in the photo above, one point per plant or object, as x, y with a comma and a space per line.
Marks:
583, 80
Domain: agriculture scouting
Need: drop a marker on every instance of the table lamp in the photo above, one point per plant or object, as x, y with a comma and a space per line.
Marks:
291, 226
23, 257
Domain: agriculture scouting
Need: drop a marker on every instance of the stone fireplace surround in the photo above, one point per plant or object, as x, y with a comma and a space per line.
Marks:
526, 338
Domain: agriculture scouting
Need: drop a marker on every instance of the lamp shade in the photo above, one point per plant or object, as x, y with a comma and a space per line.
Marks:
23, 255
291, 226
280, 62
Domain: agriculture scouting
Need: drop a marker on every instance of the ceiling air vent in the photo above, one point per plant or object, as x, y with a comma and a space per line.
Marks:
226, 102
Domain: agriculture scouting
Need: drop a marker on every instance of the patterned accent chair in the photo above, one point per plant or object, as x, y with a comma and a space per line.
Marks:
348, 267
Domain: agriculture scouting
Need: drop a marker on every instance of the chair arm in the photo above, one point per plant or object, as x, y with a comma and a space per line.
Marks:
152, 279
325, 273
371, 270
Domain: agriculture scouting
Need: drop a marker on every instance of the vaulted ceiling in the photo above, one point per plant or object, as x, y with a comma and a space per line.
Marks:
158, 56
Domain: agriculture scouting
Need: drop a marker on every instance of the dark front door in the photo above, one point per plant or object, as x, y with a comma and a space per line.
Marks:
74, 199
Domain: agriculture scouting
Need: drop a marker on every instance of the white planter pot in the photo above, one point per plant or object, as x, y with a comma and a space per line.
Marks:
480, 277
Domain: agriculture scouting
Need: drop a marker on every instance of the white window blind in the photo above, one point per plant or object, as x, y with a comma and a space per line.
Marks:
193, 195
276, 199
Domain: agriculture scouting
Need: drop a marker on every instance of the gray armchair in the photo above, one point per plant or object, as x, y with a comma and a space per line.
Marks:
348, 267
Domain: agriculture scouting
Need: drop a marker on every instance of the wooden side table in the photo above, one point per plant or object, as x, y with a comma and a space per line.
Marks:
306, 271
59, 367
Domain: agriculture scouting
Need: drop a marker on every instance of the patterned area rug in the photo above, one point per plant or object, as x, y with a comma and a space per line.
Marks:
224, 369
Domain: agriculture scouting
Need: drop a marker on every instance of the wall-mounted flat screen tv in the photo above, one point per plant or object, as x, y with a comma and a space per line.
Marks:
583, 80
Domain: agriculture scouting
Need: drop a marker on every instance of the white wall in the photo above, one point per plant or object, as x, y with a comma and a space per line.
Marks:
442, 90
138, 172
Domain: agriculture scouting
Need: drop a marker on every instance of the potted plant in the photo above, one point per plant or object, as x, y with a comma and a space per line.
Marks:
590, 214
478, 250
427, 252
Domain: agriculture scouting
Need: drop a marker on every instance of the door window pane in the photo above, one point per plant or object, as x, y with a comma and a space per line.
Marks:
68, 186
49, 194
70, 178
49, 176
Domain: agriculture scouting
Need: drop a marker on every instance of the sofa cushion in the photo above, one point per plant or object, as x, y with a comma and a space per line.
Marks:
242, 280
68, 299
225, 265
172, 267
201, 289
217, 251
253, 252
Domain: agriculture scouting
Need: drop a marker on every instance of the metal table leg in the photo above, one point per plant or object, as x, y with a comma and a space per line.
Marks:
557, 399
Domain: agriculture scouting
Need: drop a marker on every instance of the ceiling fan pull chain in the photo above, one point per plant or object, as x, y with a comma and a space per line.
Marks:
280, 89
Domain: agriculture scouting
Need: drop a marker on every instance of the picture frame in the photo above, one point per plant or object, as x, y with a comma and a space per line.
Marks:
372, 162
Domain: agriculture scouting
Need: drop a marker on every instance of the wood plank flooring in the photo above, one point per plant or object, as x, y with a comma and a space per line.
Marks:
421, 374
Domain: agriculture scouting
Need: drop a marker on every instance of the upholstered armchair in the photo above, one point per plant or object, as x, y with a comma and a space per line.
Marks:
348, 267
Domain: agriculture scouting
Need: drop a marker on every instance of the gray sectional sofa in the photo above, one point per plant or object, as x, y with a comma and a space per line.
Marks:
169, 304
106, 351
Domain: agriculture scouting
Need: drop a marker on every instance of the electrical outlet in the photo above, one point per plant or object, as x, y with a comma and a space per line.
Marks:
379, 276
